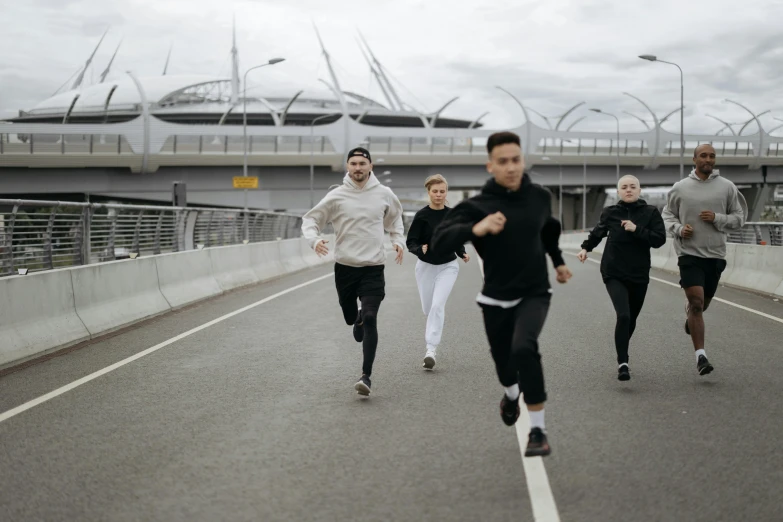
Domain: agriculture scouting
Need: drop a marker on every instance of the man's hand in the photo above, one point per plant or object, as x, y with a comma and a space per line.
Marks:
320, 248
687, 232
563, 274
628, 225
466, 257
492, 224
424, 249
708, 216
582, 255
400, 252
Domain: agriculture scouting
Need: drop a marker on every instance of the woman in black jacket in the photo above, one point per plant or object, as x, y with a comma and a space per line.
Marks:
633, 228
436, 270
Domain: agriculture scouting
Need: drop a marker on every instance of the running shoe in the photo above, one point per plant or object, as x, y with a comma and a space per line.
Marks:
509, 410
623, 373
358, 328
363, 385
429, 361
537, 445
704, 365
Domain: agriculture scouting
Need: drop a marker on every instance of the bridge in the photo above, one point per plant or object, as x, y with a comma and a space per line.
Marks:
216, 383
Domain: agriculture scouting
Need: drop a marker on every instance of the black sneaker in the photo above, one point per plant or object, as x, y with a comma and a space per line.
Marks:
704, 365
509, 410
537, 445
363, 386
623, 373
358, 328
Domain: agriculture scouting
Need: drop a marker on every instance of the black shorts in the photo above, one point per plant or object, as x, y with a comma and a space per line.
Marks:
361, 281
701, 271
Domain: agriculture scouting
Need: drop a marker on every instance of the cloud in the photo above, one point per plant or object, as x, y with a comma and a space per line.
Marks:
550, 53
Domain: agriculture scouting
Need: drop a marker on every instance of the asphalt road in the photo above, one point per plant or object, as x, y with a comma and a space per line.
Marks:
255, 417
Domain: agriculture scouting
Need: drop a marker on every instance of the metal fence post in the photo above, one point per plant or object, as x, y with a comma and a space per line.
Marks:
48, 239
156, 241
137, 233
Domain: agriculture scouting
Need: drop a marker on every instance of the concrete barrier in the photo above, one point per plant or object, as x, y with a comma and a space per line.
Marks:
231, 266
265, 260
186, 277
759, 268
37, 313
111, 295
291, 254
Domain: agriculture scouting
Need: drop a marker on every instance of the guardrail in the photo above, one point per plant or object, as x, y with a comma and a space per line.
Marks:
43, 235
761, 233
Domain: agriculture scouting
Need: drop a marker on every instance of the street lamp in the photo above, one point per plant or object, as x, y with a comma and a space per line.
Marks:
653, 58
312, 145
273, 61
599, 111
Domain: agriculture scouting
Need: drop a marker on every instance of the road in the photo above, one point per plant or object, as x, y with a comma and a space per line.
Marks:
254, 417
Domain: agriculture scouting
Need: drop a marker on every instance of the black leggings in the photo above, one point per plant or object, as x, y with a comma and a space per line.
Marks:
628, 299
369, 316
513, 341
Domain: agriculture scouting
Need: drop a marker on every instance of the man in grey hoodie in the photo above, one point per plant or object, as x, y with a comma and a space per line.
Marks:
361, 210
700, 210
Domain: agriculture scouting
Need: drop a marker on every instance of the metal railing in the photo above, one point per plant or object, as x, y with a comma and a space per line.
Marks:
761, 233
42, 235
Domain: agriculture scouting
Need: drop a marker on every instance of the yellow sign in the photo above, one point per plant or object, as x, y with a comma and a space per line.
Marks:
245, 182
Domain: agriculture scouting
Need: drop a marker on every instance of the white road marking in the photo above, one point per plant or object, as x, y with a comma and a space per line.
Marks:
541, 498
84, 380
718, 299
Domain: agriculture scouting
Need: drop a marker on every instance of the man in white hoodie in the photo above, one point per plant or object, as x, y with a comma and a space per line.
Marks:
361, 210
699, 212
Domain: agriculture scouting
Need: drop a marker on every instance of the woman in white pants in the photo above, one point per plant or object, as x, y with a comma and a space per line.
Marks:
436, 272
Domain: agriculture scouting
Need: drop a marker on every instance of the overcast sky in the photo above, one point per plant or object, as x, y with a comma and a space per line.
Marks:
551, 54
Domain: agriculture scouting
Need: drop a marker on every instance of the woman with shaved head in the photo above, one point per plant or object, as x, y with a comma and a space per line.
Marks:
633, 228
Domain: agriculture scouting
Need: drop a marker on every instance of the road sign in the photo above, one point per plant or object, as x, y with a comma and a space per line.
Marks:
245, 182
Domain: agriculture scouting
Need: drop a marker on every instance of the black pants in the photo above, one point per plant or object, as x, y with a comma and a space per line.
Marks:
367, 283
628, 299
513, 341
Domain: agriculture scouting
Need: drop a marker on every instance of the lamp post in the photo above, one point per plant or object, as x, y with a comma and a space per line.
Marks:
653, 58
273, 61
599, 111
312, 145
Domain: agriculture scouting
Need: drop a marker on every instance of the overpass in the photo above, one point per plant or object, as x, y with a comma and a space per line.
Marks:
141, 158
217, 384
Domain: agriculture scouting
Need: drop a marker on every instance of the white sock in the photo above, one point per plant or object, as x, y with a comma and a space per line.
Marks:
512, 392
537, 419
700, 352
623, 364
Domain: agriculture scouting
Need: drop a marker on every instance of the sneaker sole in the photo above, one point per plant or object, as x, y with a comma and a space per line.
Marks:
358, 337
538, 452
362, 388
707, 369
429, 363
624, 377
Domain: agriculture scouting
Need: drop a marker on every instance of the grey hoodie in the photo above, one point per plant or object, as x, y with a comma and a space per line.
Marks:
691, 196
360, 216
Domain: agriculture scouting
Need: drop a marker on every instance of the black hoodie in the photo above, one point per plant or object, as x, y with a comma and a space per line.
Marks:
514, 260
424, 224
627, 254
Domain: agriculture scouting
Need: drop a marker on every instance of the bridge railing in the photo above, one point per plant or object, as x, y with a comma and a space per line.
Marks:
761, 233
42, 235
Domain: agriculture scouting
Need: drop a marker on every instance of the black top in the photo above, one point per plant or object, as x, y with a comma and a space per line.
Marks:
627, 254
424, 224
514, 260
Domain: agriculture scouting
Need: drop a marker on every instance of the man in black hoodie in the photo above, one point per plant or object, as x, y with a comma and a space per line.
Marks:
511, 226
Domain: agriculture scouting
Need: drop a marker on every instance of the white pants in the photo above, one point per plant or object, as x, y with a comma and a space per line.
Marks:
435, 283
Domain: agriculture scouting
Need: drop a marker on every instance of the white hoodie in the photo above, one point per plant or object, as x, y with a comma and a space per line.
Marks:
360, 217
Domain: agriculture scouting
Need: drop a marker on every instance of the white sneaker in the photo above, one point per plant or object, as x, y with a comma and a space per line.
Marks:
429, 361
